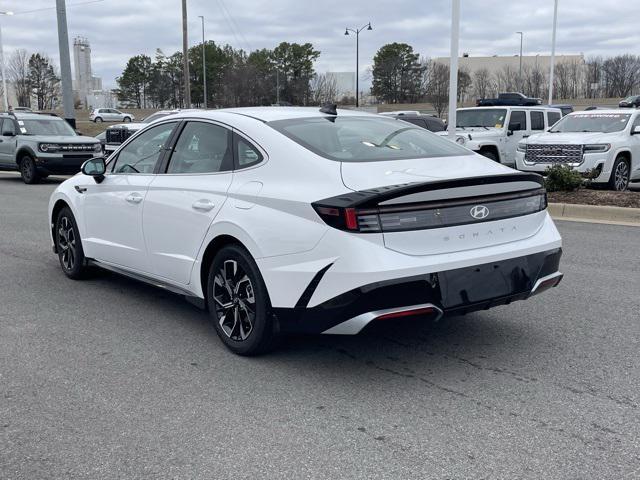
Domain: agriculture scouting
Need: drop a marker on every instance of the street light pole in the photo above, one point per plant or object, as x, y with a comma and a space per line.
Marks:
453, 68
4, 81
185, 57
357, 32
204, 66
553, 51
65, 63
520, 74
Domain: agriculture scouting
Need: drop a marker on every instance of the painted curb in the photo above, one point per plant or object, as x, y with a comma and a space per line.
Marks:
595, 213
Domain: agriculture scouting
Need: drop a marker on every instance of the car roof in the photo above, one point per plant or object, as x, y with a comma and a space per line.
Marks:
502, 107
600, 111
268, 114
33, 116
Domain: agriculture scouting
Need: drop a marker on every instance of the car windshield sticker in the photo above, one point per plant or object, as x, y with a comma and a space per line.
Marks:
603, 115
23, 130
20, 122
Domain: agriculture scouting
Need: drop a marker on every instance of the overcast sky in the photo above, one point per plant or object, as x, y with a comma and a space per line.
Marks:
119, 29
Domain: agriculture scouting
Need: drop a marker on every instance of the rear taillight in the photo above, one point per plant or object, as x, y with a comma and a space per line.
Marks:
350, 219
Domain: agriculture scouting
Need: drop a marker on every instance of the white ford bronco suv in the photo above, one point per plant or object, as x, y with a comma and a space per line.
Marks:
495, 131
605, 144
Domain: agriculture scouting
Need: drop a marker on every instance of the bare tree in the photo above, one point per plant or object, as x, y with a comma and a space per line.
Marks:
506, 79
43, 80
483, 85
593, 77
621, 75
18, 74
438, 87
534, 80
324, 88
464, 83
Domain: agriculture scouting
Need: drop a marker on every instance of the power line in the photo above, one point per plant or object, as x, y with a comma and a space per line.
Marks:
53, 8
234, 26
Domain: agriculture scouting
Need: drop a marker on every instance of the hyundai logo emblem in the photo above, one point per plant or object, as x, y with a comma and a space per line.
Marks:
479, 212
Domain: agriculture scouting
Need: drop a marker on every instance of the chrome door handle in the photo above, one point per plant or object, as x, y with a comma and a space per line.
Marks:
134, 198
204, 205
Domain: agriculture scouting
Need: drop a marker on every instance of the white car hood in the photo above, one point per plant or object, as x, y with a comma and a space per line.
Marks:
366, 175
571, 138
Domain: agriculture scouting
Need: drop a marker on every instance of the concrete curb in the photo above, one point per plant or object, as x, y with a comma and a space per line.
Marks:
595, 214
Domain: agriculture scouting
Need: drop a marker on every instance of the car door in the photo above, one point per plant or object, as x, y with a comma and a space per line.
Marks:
8, 142
634, 145
113, 208
536, 123
516, 130
183, 200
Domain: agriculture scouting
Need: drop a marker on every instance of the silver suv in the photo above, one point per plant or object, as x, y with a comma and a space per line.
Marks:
39, 145
110, 115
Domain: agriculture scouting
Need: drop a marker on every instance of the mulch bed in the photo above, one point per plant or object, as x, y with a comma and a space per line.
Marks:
590, 196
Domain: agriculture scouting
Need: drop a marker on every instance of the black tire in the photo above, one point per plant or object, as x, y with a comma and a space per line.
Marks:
489, 154
620, 174
239, 303
69, 245
97, 119
127, 119
28, 170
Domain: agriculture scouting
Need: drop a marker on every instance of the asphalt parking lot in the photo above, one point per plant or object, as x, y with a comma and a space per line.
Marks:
110, 378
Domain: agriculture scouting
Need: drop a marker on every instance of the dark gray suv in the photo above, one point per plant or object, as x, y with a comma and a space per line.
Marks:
39, 145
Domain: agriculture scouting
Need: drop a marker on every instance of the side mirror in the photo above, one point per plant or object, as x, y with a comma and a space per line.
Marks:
513, 126
95, 167
8, 133
78, 132
635, 130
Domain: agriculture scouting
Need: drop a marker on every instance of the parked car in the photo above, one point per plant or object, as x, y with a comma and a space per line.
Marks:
110, 115
431, 123
116, 134
22, 109
39, 145
604, 144
509, 99
630, 102
287, 220
495, 131
565, 108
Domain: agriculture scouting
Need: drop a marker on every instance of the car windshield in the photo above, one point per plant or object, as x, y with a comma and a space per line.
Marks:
153, 117
366, 139
481, 117
45, 126
592, 122
630, 99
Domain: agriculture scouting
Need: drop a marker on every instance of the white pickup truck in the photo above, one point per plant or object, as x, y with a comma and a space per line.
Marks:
602, 143
496, 131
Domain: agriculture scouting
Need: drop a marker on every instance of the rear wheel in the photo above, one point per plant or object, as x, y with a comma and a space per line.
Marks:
619, 180
127, 119
28, 170
98, 120
69, 245
239, 302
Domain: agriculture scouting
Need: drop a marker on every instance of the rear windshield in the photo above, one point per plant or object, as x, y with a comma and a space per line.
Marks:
592, 122
366, 139
45, 126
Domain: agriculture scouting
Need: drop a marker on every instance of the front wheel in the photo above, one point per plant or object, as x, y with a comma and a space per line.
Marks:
619, 180
28, 170
239, 302
127, 119
69, 245
489, 154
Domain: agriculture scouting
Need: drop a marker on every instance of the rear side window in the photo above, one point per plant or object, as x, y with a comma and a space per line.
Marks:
552, 117
366, 139
416, 121
202, 148
435, 126
537, 121
247, 154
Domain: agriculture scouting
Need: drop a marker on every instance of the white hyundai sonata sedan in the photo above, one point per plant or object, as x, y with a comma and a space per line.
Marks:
283, 219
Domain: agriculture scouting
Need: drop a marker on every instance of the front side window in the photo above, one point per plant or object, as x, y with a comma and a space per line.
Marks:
537, 121
143, 152
481, 117
46, 126
366, 139
202, 148
592, 122
518, 120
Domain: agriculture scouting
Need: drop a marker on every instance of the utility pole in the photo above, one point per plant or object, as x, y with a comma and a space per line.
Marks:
553, 51
204, 65
520, 75
65, 64
185, 57
4, 81
453, 68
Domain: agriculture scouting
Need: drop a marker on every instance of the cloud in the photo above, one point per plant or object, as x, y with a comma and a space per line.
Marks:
119, 29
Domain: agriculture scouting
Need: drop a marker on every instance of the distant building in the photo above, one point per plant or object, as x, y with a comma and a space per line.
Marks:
88, 87
345, 83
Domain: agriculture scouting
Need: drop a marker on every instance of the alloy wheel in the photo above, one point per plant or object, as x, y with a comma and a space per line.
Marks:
621, 178
67, 243
26, 169
235, 302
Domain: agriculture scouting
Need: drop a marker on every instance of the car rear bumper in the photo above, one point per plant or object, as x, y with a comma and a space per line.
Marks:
448, 292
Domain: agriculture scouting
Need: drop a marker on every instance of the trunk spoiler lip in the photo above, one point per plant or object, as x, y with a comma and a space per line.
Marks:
371, 198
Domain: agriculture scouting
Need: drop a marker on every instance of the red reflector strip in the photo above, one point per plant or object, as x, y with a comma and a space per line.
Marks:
406, 313
351, 220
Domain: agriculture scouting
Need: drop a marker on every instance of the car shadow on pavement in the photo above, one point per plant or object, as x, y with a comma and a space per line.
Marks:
43, 181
